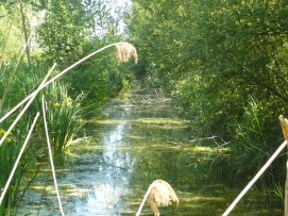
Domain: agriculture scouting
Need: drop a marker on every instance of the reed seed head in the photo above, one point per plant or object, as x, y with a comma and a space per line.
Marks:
161, 193
125, 50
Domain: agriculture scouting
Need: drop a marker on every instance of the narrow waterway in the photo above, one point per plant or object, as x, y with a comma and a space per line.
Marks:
139, 139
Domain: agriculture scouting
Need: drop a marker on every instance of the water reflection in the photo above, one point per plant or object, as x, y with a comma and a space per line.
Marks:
140, 140
97, 175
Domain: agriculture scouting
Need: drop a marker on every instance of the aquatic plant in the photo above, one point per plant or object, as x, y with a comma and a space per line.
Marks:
11, 151
8, 154
161, 193
62, 73
12, 173
64, 116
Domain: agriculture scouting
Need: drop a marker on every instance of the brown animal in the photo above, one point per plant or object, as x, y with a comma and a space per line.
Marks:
161, 193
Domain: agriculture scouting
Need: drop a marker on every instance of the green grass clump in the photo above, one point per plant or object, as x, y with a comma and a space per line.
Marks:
8, 154
64, 116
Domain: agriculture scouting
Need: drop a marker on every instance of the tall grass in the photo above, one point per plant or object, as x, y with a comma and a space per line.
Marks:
8, 154
14, 170
254, 144
64, 118
11, 154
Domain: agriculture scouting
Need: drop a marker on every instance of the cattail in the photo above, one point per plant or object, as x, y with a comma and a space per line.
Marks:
160, 193
125, 50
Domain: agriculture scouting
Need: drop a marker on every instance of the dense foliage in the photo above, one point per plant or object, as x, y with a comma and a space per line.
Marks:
226, 61
35, 35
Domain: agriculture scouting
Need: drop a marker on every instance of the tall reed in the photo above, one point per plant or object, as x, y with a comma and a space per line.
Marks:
15, 165
64, 117
10, 154
50, 155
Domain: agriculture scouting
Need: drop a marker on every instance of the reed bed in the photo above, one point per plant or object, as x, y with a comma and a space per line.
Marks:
63, 118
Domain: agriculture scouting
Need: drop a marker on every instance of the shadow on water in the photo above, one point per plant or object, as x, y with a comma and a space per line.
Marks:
138, 140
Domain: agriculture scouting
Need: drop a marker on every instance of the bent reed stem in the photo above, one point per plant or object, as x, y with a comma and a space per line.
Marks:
18, 159
256, 177
32, 97
15, 70
56, 77
144, 199
50, 155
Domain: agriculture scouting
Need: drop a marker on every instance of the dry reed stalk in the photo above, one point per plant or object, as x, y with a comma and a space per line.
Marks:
8, 36
51, 156
160, 193
3, 71
5, 189
125, 50
256, 177
284, 127
15, 70
33, 95
65, 71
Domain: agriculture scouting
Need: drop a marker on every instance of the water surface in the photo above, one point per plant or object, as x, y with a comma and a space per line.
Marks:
138, 140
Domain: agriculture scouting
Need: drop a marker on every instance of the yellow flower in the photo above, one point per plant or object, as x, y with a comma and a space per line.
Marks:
68, 102
56, 105
9, 140
2, 132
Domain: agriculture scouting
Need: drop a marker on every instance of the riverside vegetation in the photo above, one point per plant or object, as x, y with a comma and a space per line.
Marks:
64, 121
224, 62
27, 53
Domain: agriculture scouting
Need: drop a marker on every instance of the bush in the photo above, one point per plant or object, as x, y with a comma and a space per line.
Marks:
255, 140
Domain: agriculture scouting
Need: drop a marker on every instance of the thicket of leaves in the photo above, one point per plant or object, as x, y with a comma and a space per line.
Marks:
226, 61
63, 32
35, 34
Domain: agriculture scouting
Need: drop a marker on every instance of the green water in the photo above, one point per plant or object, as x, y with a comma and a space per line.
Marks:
138, 140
